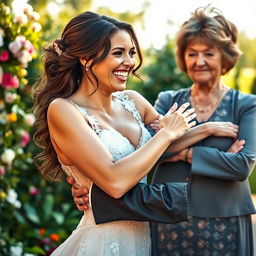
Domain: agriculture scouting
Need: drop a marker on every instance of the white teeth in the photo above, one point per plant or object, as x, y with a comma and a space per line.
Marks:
120, 73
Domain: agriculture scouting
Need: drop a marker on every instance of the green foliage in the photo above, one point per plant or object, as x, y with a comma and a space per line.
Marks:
32, 219
252, 180
161, 73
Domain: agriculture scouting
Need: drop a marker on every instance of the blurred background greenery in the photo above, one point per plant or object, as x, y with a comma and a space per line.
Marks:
36, 215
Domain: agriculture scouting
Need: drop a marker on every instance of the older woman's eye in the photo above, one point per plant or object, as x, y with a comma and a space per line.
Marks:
209, 54
191, 54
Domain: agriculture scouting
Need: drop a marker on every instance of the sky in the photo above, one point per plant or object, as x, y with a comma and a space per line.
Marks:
164, 17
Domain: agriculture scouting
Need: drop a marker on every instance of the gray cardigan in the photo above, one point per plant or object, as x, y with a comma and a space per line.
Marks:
218, 181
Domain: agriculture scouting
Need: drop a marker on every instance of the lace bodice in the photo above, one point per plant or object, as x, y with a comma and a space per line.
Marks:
118, 145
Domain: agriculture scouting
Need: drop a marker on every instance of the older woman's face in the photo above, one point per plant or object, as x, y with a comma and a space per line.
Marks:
203, 63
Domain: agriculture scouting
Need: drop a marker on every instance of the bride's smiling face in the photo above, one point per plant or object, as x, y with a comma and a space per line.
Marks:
113, 71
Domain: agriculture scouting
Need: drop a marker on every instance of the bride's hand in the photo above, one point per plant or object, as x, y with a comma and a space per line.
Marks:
80, 195
177, 121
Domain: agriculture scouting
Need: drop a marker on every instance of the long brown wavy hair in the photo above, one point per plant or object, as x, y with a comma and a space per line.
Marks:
87, 35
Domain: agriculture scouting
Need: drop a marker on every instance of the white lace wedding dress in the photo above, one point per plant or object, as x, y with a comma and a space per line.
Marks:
119, 238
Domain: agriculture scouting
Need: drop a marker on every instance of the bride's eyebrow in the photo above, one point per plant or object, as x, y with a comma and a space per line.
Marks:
121, 48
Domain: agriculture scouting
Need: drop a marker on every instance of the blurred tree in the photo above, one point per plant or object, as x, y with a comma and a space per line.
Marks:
161, 72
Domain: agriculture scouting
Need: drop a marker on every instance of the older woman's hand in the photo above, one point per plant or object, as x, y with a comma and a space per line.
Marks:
223, 129
237, 146
80, 195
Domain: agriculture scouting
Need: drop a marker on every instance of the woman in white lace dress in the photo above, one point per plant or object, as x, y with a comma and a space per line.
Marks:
91, 129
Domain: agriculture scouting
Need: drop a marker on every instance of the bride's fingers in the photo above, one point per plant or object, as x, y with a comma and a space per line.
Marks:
191, 117
172, 109
189, 112
183, 107
191, 124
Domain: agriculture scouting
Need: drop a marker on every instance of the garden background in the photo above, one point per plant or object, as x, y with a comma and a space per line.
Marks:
36, 215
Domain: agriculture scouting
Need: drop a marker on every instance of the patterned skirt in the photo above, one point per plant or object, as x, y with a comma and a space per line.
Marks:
204, 237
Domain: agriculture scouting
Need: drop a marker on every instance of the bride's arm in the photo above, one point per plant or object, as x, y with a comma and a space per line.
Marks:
83, 148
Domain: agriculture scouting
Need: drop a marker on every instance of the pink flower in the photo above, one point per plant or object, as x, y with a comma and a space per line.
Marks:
2, 171
15, 46
25, 138
9, 81
4, 56
33, 191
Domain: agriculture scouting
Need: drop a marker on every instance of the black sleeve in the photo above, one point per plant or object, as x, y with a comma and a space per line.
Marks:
166, 203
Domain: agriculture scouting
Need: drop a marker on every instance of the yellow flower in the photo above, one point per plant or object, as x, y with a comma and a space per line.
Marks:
12, 117
22, 72
2, 195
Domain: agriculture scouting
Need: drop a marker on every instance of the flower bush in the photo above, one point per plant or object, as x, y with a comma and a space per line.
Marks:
30, 221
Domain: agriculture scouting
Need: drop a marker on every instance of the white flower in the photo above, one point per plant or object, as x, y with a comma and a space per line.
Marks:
21, 18
1, 73
36, 27
12, 198
15, 46
16, 250
29, 119
35, 16
28, 9
8, 156
10, 97
1, 37
24, 58
28, 254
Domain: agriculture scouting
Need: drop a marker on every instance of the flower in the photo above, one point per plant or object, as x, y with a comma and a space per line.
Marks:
24, 57
36, 27
35, 16
12, 117
55, 237
41, 231
33, 191
12, 198
2, 195
29, 119
25, 138
16, 45
22, 72
16, 250
1, 74
1, 37
8, 156
2, 170
9, 81
28, 9
10, 97
4, 56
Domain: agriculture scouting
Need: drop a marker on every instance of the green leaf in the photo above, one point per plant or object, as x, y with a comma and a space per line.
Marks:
59, 218
31, 213
47, 206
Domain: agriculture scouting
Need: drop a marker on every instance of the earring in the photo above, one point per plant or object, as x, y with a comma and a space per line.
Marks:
223, 71
86, 68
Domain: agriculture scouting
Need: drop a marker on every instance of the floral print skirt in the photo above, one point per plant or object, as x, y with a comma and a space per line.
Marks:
204, 237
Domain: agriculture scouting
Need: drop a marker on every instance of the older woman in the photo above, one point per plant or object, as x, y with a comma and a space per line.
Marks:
219, 199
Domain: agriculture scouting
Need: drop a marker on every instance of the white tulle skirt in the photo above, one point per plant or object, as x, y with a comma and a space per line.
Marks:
119, 238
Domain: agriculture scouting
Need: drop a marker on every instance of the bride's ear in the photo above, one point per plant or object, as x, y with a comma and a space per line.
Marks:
83, 61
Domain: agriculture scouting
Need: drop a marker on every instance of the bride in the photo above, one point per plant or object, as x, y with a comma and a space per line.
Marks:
91, 128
